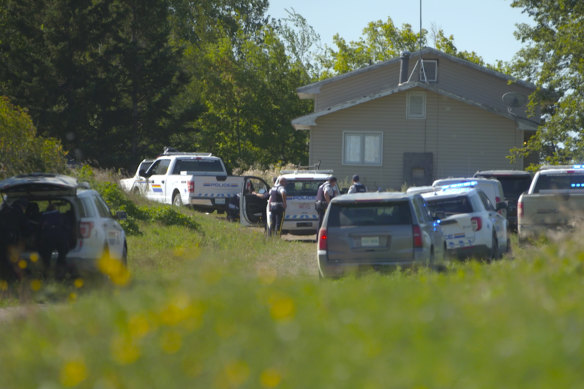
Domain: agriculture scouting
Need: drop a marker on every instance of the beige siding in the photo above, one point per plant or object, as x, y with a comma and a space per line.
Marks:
463, 80
362, 84
462, 138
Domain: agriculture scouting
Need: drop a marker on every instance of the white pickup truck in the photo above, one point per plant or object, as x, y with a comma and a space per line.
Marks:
554, 202
137, 184
196, 179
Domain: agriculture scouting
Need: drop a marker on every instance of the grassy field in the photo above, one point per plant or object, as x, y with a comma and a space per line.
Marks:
221, 306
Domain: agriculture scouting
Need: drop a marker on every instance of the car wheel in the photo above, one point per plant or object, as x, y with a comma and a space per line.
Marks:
494, 247
125, 255
176, 200
432, 260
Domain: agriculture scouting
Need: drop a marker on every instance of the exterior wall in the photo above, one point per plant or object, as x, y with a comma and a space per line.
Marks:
357, 86
462, 80
462, 138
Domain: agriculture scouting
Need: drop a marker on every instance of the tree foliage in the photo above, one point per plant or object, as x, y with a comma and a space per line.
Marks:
21, 150
96, 74
116, 80
382, 41
552, 59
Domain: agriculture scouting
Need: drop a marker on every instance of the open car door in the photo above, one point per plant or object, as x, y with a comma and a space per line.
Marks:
253, 201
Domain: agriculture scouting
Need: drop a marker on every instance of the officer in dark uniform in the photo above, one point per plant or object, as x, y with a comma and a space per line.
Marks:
357, 186
324, 195
277, 205
14, 228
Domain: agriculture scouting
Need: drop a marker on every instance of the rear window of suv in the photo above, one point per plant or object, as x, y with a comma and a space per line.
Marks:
369, 214
302, 187
451, 206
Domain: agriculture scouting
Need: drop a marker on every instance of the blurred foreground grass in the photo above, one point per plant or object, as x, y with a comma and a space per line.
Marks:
224, 307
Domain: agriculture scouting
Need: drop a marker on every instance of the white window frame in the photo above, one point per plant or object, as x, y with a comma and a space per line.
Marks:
411, 115
361, 161
434, 64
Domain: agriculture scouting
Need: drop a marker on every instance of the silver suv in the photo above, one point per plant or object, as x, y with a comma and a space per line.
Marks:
376, 231
68, 225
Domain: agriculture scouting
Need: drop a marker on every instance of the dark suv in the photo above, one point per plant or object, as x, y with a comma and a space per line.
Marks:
377, 231
514, 182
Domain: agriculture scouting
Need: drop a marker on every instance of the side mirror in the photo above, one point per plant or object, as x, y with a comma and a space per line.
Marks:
145, 173
501, 205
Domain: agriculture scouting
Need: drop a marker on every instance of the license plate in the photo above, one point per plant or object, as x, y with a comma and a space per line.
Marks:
219, 201
369, 241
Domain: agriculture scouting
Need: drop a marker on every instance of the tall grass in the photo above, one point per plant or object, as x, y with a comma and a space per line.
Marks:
222, 306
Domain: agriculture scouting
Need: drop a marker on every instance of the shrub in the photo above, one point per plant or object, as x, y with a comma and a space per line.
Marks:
21, 149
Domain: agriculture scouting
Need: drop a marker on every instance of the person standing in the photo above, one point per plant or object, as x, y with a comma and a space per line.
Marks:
277, 206
14, 229
325, 193
357, 186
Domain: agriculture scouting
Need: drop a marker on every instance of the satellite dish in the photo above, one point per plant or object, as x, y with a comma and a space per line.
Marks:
514, 99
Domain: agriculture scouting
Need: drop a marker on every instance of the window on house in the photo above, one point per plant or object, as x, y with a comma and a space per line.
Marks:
362, 148
429, 70
416, 105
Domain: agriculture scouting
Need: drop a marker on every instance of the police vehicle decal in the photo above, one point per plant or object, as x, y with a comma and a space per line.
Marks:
156, 188
221, 185
301, 217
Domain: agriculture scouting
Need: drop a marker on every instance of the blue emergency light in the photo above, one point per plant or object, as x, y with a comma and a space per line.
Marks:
467, 184
577, 185
577, 166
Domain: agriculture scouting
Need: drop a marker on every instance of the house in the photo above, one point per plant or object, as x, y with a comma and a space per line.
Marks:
413, 119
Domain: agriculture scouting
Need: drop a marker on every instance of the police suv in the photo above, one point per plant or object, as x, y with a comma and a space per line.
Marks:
470, 222
300, 216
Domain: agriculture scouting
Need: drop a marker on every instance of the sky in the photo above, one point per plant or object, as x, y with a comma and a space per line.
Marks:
483, 26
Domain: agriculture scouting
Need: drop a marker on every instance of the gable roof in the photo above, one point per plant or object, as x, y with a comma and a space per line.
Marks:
310, 91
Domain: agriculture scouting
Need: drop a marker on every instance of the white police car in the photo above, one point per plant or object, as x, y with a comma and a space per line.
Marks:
471, 225
300, 216
70, 220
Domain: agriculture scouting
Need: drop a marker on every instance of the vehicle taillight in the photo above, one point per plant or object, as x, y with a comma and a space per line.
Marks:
417, 235
191, 186
85, 229
322, 239
520, 209
497, 199
477, 223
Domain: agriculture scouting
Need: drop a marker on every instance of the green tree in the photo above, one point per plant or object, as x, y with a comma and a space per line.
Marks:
382, 41
21, 150
97, 74
552, 59
248, 91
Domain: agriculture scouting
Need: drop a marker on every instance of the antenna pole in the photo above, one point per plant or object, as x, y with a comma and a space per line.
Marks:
420, 41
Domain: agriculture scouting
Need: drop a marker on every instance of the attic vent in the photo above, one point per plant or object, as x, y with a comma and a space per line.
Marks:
429, 70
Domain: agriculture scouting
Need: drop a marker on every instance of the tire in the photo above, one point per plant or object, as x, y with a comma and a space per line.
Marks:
125, 255
176, 200
494, 247
432, 259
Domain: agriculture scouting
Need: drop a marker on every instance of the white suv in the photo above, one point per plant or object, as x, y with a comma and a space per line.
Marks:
470, 223
71, 225
300, 216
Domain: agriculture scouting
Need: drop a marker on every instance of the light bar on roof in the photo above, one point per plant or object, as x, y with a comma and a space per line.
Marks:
577, 185
578, 166
466, 184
